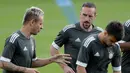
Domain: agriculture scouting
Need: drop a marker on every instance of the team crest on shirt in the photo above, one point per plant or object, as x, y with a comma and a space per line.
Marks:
32, 48
111, 54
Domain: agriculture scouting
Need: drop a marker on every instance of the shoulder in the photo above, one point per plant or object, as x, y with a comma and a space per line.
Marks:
99, 28
87, 41
67, 27
127, 23
13, 37
116, 48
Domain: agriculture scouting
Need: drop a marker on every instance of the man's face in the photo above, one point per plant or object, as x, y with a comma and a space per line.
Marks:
109, 40
87, 16
37, 26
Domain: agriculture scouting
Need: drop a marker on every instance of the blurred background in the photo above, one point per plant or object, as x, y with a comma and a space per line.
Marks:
11, 15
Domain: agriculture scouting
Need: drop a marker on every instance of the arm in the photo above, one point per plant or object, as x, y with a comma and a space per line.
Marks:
7, 55
0, 64
64, 66
116, 60
61, 38
59, 58
54, 51
41, 62
81, 69
116, 71
125, 46
84, 55
12, 67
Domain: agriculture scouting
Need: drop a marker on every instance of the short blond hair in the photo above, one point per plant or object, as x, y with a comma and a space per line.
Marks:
32, 13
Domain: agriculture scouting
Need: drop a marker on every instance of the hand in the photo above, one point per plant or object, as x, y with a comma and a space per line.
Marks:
67, 69
31, 70
62, 58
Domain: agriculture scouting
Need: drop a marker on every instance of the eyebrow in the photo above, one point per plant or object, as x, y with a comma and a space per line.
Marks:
84, 14
113, 40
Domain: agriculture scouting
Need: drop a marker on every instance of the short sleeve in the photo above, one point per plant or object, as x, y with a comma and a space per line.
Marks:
61, 38
116, 60
34, 56
85, 51
33, 43
9, 49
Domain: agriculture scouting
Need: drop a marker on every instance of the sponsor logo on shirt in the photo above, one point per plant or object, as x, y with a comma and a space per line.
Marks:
97, 54
25, 49
77, 40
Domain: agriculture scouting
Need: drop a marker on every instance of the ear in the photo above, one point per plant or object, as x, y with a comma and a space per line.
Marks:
105, 33
95, 15
32, 22
80, 12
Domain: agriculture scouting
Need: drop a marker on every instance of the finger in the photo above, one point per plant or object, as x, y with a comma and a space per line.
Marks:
37, 71
65, 54
62, 63
72, 71
69, 58
67, 61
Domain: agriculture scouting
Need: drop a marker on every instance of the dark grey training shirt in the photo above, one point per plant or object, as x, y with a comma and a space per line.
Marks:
95, 56
126, 53
19, 50
71, 37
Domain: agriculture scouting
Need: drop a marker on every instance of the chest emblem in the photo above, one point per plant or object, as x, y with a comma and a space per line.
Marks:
25, 49
111, 55
77, 40
97, 54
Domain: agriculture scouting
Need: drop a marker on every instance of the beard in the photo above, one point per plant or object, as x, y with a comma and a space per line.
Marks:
33, 33
86, 24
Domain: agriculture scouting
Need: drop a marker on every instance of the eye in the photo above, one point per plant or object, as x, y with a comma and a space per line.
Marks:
113, 41
90, 16
40, 23
84, 14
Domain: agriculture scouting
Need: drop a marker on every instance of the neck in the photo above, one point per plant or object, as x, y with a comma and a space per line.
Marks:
25, 31
88, 29
100, 36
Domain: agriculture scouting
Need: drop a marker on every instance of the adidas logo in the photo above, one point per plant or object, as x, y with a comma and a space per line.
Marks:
25, 49
77, 40
97, 54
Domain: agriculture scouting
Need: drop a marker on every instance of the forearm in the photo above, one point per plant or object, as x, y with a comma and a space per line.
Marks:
0, 64
53, 52
81, 69
116, 71
12, 67
125, 46
42, 62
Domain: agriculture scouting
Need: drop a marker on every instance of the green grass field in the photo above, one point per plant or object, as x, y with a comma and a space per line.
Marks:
11, 14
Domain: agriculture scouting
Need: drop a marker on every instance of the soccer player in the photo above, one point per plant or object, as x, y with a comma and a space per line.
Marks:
71, 36
125, 47
97, 51
19, 54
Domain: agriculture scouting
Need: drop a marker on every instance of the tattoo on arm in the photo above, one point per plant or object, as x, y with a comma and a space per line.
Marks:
12, 67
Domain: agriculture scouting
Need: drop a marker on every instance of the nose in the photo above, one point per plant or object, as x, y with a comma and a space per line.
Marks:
41, 26
87, 18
